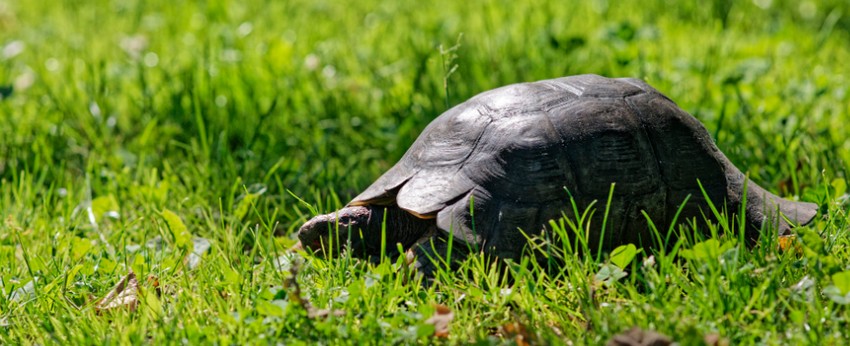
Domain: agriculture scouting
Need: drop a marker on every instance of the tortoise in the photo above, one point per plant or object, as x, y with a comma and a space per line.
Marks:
511, 159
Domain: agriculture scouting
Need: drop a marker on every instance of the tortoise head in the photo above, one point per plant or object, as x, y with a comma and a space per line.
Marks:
316, 233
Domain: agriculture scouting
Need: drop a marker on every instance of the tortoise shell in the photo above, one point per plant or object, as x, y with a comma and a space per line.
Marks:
511, 158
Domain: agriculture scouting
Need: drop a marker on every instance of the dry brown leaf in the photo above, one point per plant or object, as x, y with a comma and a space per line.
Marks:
639, 337
124, 295
153, 282
555, 329
441, 320
518, 332
790, 243
314, 313
715, 340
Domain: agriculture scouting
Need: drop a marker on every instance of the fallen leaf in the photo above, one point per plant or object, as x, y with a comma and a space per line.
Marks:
153, 282
199, 247
518, 332
324, 313
441, 320
155, 244
789, 243
124, 295
24, 293
715, 340
639, 337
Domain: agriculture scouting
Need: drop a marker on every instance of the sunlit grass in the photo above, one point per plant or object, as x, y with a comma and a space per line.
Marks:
245, 118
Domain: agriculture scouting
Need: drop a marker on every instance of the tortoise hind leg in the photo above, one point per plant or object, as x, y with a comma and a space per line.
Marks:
762, 207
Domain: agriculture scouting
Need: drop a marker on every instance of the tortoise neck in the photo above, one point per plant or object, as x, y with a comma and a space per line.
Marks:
401, 227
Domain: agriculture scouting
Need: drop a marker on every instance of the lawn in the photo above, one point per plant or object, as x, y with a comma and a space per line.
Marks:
186, 141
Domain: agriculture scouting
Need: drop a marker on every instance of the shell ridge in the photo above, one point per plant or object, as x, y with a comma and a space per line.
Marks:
569, 87
643, 86
474, 146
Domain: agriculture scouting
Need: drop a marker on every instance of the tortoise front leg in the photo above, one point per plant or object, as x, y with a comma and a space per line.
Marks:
430, 254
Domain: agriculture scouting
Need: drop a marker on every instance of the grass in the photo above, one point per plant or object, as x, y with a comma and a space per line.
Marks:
133, 131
